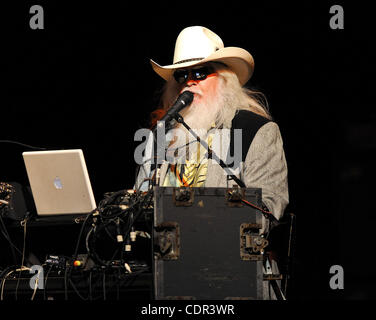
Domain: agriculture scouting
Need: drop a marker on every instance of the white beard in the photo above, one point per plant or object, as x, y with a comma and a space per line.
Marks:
200, 117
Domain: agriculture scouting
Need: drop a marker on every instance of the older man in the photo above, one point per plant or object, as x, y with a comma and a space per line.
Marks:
216, 75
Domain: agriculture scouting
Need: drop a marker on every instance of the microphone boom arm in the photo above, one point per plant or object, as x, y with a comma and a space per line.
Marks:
225, 167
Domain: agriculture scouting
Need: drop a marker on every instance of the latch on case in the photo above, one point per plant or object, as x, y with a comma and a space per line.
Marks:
234, 197
251, 243
183, 197
168, 241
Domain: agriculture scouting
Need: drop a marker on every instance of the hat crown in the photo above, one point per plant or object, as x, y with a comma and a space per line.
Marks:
195, 43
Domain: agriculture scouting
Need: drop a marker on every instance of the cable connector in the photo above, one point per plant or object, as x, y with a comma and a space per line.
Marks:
23, 268
128, 246
127, 267
133, 235
119, 236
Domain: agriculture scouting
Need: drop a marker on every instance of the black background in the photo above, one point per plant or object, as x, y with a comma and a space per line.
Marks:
85, 82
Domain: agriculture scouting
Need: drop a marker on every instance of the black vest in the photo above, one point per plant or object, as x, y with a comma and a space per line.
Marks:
250, 123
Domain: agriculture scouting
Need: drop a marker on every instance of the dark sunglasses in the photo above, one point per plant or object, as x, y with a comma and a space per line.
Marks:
182, 75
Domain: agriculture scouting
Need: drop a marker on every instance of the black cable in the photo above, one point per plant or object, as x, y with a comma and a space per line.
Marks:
110, 198
5, 232
108, 213
4, 273
123, 281
68, 267
6, 235
45, 284
138, 213
23, 255
136, 216
91, 241
101, 224
98, 282
117, 285
109, 233
105, 205
76, 290
131, 277
22, 144
80, 234
90, 244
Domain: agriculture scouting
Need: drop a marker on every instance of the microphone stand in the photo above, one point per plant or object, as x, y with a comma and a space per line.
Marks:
180, 119
157, 149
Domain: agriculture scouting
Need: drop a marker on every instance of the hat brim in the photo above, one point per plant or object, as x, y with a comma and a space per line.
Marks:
237, 59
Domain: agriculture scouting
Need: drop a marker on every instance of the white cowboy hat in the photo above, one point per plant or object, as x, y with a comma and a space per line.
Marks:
197, 45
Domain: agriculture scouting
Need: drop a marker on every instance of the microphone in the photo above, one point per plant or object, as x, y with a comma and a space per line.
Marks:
184, 100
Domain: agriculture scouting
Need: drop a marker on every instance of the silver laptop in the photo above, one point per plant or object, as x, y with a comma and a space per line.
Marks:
59, 182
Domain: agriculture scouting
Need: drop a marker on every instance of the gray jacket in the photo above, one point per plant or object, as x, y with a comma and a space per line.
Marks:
264, 167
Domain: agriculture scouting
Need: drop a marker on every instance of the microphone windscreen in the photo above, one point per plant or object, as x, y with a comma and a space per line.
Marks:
187, 97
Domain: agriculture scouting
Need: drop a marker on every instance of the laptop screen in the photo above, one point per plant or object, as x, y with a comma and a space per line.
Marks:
59, 182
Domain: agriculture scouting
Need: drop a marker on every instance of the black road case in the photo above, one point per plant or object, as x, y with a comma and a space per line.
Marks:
207, 244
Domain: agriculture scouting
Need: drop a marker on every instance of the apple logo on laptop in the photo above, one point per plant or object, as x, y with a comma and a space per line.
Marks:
57, 183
